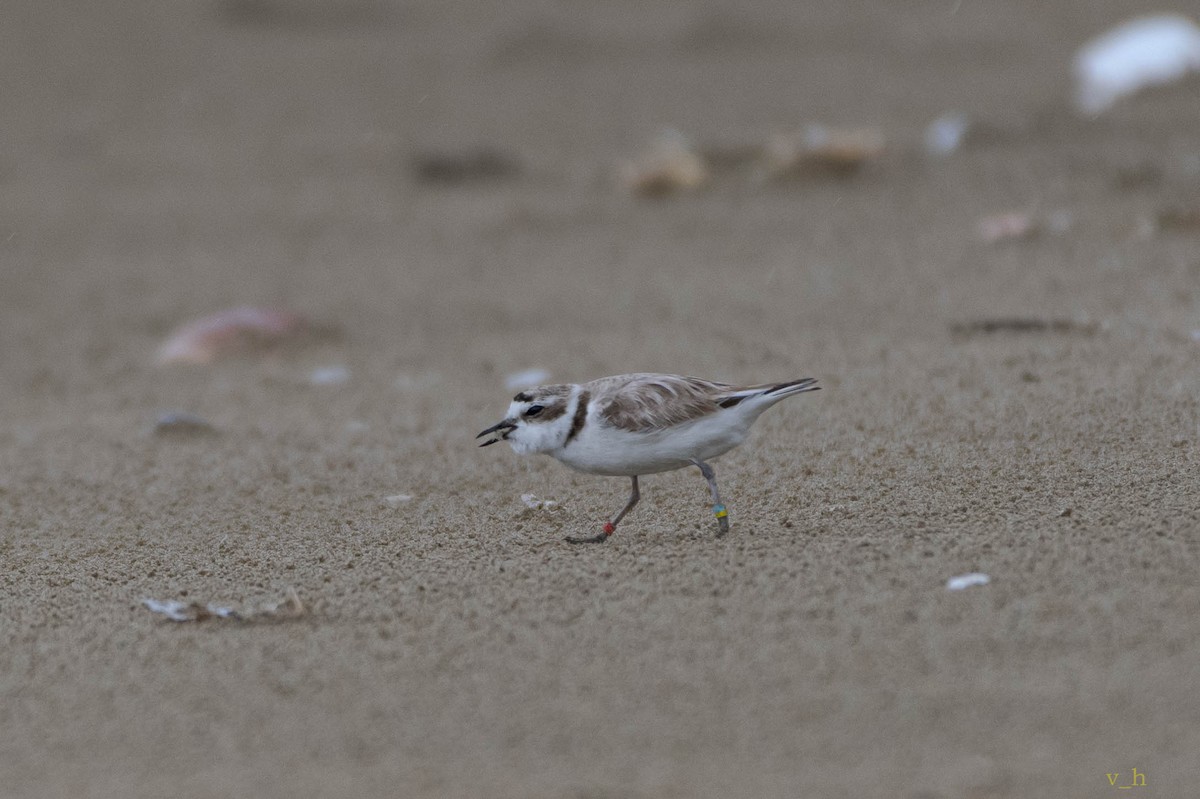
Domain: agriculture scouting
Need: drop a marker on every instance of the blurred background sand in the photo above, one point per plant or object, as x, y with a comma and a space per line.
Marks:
165, 160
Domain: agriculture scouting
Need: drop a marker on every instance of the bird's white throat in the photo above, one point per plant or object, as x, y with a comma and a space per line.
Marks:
534, 435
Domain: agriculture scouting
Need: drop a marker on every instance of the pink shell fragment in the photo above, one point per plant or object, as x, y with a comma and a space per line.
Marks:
227, 332
1007, 226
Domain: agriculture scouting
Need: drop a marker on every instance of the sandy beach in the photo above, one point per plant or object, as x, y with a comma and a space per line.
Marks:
437, 188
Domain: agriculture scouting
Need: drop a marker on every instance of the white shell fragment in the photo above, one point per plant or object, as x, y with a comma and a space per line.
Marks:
533, 502
175, 610
290, 607
1143, 52
329, 376
946, 133
967, 581
396, 500
526, 378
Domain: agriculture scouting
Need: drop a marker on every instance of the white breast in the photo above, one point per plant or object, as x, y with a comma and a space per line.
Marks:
600, 449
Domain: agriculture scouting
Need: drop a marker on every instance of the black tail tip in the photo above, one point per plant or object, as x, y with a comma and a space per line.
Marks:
804, 384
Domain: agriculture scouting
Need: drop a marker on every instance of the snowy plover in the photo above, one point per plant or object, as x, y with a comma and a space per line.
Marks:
630, 425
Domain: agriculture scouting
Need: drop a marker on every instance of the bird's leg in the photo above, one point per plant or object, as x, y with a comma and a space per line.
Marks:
718, 507
610, 526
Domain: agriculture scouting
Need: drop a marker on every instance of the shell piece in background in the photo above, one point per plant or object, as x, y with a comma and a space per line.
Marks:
967, 581
671, 165
175, 610
526, 378
181, 424
1022, 225
1007, 226
534, 502
817, 150
329, 376
945, 134
1135, 55
290, 607
1023, 324
236, 330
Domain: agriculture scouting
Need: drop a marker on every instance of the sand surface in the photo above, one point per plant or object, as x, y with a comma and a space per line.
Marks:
166, 160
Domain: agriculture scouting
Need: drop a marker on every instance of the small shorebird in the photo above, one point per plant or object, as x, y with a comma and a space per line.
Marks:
630, 425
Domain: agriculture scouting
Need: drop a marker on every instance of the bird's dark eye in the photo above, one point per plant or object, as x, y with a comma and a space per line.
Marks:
534, 410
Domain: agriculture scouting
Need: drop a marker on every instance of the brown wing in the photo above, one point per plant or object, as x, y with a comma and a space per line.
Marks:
645, 402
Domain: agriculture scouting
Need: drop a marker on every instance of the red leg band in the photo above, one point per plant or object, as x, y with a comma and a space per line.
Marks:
609, 529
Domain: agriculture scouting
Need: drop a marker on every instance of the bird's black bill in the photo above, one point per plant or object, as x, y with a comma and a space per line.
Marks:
499, 431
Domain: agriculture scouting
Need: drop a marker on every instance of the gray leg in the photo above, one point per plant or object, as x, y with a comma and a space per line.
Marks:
610, 526
634, 496
718, 507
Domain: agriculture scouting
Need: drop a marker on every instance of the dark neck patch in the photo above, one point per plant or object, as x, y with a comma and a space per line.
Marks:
580, 417
550, 412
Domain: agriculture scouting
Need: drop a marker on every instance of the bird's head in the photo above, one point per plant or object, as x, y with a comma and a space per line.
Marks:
538, 420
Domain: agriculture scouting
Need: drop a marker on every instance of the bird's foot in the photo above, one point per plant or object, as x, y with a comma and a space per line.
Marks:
599, 538
591, 539
722, 519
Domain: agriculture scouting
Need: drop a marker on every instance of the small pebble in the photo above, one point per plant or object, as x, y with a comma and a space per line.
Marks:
671, 165
466, 166
396, 500
533, 502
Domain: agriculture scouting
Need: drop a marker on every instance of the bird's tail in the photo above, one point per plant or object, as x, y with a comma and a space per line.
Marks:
773, 392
